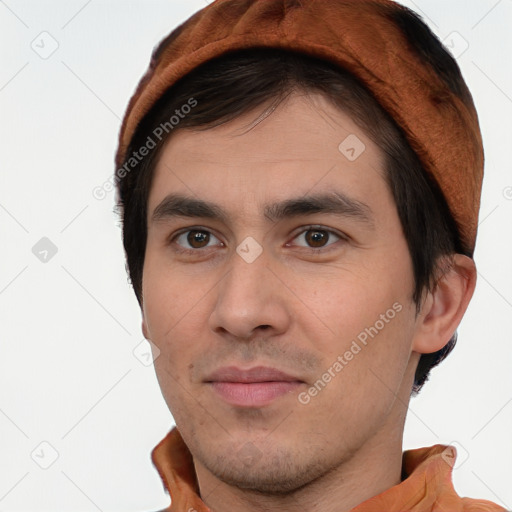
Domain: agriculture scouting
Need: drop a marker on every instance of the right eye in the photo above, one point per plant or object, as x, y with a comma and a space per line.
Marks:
197, 238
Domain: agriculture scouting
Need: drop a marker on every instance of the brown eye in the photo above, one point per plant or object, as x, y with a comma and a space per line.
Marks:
193, 241
198, 239
317, 238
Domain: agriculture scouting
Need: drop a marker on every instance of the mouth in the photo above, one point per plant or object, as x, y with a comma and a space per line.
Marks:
254, 387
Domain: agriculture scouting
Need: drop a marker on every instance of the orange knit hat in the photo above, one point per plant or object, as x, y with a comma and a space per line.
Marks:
361, 36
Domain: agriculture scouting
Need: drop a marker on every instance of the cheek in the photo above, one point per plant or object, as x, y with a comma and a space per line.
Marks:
175, 316
172, 313
361, 324
362, 368
171, 299
345, 301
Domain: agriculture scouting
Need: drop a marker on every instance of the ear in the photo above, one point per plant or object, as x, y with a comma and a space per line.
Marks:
444, 307
145, 330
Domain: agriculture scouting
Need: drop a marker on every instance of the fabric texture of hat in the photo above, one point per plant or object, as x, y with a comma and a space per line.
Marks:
361, 36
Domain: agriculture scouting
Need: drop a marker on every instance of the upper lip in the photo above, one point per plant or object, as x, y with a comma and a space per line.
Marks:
255, 374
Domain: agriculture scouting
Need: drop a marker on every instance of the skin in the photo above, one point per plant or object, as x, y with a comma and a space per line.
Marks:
291, 309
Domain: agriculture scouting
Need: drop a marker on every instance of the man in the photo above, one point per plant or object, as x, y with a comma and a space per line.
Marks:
299, 185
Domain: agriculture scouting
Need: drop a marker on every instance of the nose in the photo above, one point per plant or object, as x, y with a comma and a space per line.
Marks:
250, 298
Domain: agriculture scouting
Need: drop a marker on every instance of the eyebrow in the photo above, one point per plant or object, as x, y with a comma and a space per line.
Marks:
337, 203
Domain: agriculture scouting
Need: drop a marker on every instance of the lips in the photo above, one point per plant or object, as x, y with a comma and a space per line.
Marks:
256, 374
255, 387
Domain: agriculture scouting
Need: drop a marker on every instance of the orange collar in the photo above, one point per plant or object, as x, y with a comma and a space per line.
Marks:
426, 481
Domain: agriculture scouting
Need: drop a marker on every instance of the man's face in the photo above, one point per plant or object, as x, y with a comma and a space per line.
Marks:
252, 290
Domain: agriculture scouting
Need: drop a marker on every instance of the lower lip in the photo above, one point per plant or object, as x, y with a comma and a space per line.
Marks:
253, 394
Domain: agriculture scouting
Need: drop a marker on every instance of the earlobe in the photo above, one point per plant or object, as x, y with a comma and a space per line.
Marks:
145, 331
445, 306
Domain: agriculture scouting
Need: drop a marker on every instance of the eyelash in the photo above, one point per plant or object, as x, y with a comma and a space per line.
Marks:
305, 229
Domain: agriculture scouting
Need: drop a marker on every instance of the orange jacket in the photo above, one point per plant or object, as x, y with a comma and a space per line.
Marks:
427, 486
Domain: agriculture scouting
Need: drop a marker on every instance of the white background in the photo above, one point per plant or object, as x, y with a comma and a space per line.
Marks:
68, 375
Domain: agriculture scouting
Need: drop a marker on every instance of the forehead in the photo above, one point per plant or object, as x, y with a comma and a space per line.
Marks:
306, 145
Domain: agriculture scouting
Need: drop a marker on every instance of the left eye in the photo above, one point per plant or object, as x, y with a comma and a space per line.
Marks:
316, 237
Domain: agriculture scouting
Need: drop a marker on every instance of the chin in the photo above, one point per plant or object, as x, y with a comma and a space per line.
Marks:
267, 468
